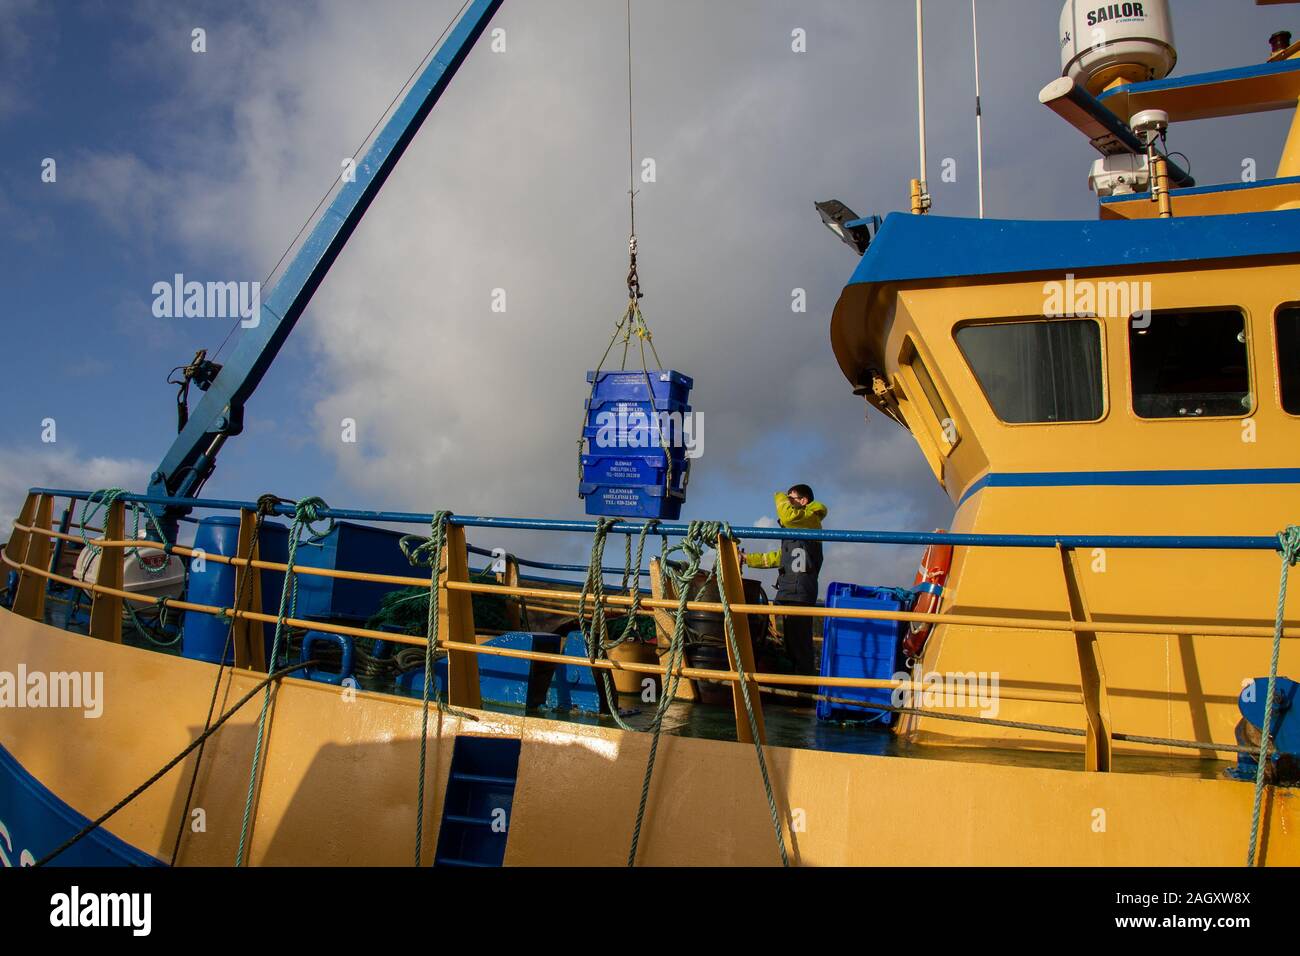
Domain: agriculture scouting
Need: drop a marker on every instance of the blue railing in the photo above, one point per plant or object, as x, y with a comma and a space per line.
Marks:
678, 529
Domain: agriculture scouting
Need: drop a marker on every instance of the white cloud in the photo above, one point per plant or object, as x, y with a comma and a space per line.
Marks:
518, 182
133, 199
59, 466
18, 20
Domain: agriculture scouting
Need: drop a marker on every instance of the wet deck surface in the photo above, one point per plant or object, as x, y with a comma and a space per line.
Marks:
798, 727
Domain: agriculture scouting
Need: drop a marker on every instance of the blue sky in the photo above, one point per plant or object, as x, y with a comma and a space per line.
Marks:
206, 164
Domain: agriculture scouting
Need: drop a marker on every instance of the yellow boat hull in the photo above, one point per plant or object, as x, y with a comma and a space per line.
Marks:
338, 785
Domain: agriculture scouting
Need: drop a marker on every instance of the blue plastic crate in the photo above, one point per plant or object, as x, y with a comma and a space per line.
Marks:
634, 470
623, 501
596, 405
623, 385
867, 649
639, 440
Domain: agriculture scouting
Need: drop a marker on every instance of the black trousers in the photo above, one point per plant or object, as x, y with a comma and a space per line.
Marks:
799, 640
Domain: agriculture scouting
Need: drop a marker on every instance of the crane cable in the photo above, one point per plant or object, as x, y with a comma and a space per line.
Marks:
633, 280
632, 322
355, 154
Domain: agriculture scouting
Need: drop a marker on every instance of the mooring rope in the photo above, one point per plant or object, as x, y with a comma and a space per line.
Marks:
699, 535
196, 742
1289, 546
596, 635
306, 513
429, 550
726, 532
266, 505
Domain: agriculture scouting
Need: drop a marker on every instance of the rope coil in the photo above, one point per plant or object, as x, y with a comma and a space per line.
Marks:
103, 501
596, 635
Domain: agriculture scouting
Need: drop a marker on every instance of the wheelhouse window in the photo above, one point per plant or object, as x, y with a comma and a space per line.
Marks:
911, 359
1190, 364
1038, 371
1288, 358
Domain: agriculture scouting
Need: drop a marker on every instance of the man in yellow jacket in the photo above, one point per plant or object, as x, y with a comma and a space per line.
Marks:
799, 562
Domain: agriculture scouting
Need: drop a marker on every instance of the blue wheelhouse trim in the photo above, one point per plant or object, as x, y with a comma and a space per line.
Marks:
1147, 479
920, 248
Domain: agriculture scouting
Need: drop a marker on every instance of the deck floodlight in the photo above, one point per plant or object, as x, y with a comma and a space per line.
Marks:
853, 230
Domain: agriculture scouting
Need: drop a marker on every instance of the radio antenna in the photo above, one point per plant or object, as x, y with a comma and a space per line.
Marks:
920, 192
979, 113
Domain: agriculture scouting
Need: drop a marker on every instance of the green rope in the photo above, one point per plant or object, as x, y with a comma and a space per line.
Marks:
749, 706
103, 501
683, 577
305, 514
429, 550
1289, 545
699, 536
144, 631
596, 636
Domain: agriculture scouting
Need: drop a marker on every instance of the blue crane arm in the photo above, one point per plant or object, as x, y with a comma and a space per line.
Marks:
220, 412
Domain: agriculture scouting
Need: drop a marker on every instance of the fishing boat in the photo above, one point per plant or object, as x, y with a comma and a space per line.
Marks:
1090, 669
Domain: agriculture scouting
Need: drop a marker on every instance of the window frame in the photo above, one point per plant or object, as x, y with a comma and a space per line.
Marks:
909, 353
1102, 345
1251, 378
1277, 356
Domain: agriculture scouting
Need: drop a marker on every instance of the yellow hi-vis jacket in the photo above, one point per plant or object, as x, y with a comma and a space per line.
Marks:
788, 516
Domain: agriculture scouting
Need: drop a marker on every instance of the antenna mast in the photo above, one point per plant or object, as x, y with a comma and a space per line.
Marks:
920, 192
979, 113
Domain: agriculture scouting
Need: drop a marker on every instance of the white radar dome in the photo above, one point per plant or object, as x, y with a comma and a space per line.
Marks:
1105, 44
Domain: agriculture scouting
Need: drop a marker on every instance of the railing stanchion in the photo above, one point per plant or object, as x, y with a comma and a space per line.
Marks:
30, 599
16, 548
510, 578
1092, 673
248, 637
456, 621
729, 567
65, 522
106, 609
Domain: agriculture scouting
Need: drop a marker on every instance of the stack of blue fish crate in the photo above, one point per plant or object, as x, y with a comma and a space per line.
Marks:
626, 470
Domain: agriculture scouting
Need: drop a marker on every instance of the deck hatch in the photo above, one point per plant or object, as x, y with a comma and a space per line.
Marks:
480, 797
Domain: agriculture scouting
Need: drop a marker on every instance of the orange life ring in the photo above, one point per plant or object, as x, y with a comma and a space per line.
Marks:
930, 579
